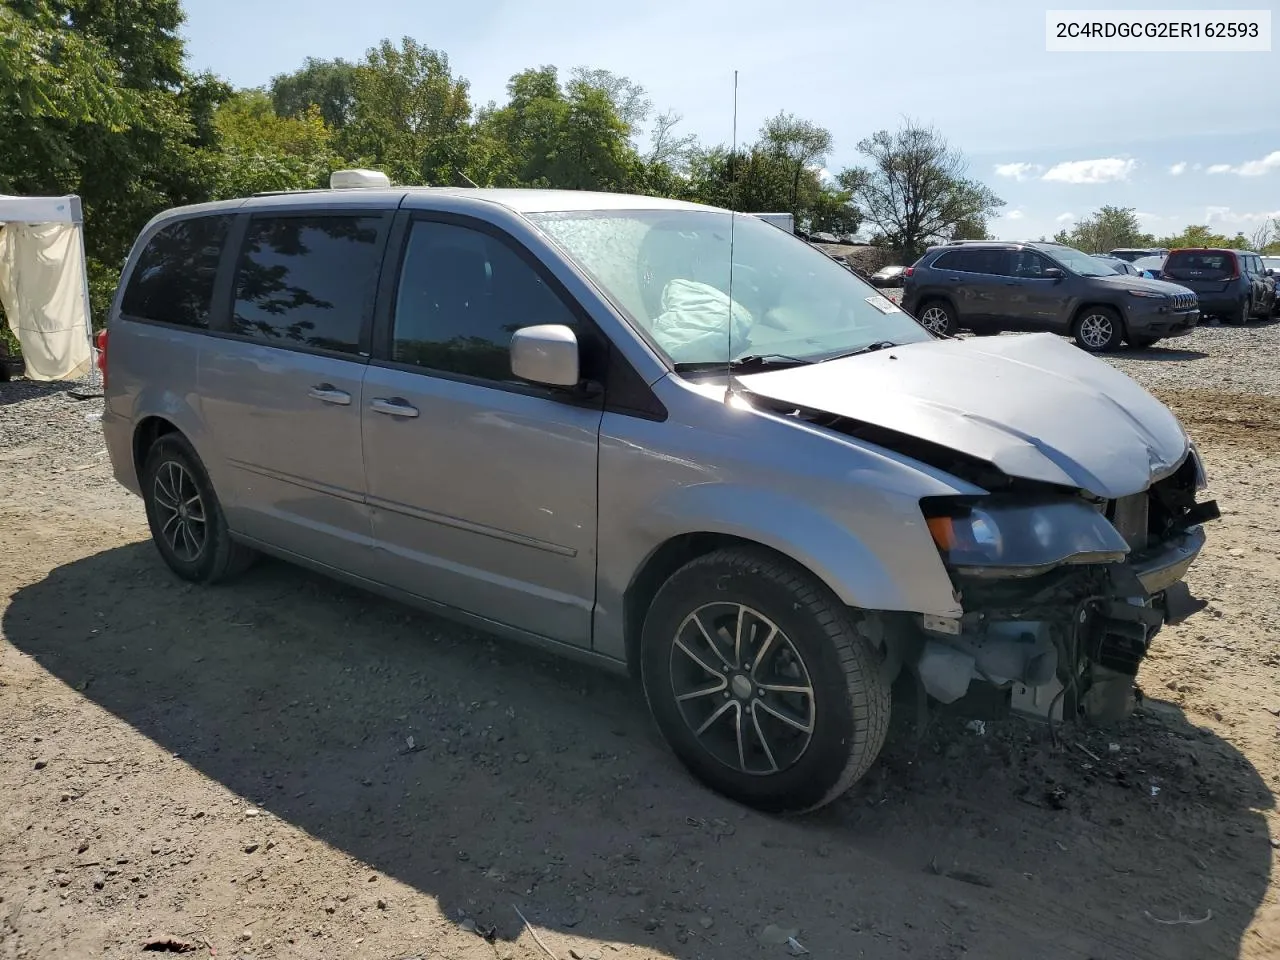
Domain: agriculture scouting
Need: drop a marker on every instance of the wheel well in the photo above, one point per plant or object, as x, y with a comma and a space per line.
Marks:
145, 435
655, 571
941, 298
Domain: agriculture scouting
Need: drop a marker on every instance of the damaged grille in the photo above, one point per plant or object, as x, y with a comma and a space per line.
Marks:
1166, 508
1129, 515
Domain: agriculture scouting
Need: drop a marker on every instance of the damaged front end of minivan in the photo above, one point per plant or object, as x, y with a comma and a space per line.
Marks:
1062, 595
1062, 591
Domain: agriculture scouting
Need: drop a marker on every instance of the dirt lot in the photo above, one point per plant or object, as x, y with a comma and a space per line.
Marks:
232, 767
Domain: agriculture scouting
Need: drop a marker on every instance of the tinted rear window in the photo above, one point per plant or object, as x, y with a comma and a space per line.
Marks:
307, 281
972, 261
1200, 266
173, 279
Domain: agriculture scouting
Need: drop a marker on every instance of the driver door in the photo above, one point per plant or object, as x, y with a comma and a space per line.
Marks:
482, 487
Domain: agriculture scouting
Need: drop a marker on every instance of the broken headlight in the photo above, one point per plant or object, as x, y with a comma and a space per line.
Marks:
1003, 537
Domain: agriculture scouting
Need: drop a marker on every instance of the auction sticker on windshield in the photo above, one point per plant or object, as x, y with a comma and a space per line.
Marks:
884, 304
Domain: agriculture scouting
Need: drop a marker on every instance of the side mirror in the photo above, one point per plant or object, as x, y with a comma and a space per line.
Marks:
546, 354
1053, 273
1271, 272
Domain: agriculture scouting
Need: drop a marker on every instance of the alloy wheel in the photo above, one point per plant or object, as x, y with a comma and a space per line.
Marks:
935, 320
1097, 330
742, 688
181, 511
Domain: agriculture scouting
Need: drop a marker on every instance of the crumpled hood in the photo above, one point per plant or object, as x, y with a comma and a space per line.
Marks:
1033, 405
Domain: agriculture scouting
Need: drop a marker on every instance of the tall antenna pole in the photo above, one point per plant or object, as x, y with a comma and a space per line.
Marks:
733, 214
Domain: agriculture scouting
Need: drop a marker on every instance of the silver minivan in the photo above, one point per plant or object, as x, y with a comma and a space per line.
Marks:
658, 436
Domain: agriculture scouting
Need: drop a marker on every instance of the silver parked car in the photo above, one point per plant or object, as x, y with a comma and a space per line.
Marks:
657, 436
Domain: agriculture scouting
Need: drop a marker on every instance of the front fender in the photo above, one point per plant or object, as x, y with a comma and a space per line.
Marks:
896, 569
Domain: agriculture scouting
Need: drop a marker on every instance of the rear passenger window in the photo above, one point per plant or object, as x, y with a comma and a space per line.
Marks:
307, 280
172, 281
462, 295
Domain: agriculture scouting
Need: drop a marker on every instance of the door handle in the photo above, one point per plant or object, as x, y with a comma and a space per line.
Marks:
328, 393
394, 408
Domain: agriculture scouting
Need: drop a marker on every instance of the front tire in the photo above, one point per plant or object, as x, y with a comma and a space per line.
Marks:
758, 679
185, 517
1098, 329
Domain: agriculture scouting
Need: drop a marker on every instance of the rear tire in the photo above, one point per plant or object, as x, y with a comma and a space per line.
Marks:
938, 317
1241, 317
186, 519
758, 679
1098, 329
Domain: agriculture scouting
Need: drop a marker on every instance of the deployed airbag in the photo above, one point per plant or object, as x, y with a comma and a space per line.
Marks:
694, 323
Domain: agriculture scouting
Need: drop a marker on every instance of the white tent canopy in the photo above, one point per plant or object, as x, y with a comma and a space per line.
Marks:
44, 285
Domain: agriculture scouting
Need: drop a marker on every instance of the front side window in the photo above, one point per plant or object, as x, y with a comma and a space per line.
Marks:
706, 287
173, 279
1029, 265
307, 281
462, 295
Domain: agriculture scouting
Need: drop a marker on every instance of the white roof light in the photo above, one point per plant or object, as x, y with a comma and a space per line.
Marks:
355, 179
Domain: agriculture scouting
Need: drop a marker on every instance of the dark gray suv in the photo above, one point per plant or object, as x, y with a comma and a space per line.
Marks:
992, 286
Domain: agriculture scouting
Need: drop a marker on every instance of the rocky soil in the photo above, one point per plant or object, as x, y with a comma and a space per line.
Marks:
283, 768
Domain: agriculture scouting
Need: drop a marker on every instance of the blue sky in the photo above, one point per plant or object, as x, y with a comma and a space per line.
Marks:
1183, 137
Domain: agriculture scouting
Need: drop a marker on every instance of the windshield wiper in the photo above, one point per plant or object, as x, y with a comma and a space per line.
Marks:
752, 361
869, 348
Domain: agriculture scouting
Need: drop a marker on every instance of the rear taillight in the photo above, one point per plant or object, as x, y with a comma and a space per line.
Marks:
909, 271
1235, 268
101, 343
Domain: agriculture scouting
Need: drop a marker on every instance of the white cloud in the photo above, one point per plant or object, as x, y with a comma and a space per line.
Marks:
1065, 217
1147, 216
1103, 170
1251, 168
1014, 214
1227, 215
1195, 166
1018, 170
1178, 169
1256, 168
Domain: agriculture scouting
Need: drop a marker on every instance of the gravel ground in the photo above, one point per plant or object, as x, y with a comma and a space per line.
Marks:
231, 767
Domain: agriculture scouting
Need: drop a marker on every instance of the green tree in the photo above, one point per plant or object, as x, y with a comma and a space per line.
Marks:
327, 85
630, 101
1106, 229
97, 101
263, 151
411, 117
548, 135
916, 190
779, 173
1201, 235
800, 145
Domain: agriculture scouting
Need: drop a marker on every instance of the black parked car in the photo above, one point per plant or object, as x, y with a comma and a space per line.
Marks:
993, 286
1232, 285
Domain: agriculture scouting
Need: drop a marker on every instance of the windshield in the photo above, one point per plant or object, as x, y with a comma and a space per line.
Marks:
1081, 263
1148, 263
1271, 263
669, 272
